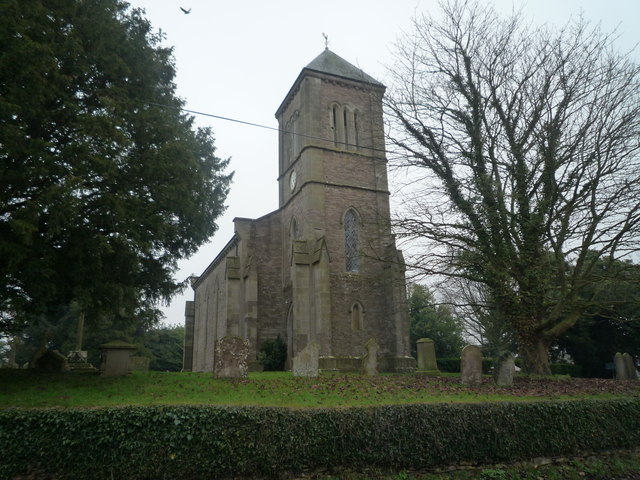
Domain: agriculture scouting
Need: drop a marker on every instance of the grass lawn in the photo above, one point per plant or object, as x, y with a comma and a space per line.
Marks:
27, 389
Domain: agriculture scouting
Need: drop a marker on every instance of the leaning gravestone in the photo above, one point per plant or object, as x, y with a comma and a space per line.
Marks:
504, 369
621, 367
630, 366
306, 363
471, 365
231, 357
370, 360
427, 364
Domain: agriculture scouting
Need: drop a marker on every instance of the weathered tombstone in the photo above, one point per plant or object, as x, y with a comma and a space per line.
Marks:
140, 364
504, 369
370, 360
426, 351
630, 366
78, 362
231, 357
306, 363
52, 361
471, 365
621, 367
116, 358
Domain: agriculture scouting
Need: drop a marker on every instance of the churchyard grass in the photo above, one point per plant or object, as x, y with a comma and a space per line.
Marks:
28, 389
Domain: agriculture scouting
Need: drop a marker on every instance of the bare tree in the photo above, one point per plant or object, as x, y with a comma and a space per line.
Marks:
527, 144
481, 325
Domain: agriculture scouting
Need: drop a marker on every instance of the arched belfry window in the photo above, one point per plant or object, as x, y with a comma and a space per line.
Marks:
351, 241
344, 121
356, 128
357, 317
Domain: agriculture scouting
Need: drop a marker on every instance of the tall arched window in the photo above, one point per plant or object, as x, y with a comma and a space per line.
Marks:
351, 241
357, 317
356, 129
345, 124
334, 124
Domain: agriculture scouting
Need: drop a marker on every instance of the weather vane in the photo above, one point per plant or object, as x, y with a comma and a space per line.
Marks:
326, 40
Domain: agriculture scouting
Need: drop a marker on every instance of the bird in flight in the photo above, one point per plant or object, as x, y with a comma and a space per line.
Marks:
186, 12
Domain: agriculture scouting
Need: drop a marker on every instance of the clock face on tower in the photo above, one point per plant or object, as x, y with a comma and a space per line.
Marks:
292, 180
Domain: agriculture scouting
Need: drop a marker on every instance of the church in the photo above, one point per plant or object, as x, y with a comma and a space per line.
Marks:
324, 266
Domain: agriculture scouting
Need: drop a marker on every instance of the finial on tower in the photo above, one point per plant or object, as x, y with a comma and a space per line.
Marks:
326, 41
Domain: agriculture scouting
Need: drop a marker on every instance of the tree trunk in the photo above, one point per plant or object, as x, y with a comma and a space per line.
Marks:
42, 347
534, 351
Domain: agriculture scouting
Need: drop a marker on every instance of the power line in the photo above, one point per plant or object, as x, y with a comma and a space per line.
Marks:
251, 124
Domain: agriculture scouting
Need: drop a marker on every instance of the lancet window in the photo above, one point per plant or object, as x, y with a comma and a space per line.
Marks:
351, 241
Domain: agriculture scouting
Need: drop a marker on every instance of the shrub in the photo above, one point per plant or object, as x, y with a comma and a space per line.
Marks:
566, 369
273, 355
185, 442
449, 364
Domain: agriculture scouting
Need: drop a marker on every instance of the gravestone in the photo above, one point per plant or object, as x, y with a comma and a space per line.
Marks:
621, 367
78, 362
630, 366
504, 369
52, 361
426, 351
305, 364
471, 365
140, 364
370, 360
116, 358
231, 357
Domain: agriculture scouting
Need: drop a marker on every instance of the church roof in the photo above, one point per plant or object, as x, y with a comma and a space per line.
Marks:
332, 64
328, 63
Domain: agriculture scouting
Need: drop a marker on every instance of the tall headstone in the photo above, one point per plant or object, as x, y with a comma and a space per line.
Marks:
306, 363
504, 369
621, 367
471, 365
231, 357
630, 366
370, 360
426, 351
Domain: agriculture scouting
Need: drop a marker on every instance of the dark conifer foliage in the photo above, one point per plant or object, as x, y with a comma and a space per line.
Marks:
102, 191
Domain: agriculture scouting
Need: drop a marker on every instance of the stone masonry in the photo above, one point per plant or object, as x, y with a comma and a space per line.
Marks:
323, 267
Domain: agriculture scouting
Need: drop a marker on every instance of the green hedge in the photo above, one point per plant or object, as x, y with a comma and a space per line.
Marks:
566, 369
184, 442
452, 364
449, 364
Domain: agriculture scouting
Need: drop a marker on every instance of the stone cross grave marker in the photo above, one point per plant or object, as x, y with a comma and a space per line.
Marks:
471, 365
231, 357
306, 363
504, 369
370, 360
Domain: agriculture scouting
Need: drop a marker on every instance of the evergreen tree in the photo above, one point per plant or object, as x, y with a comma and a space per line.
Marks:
437, 322
102, 190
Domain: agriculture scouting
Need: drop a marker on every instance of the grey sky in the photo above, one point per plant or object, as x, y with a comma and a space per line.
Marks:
239, 58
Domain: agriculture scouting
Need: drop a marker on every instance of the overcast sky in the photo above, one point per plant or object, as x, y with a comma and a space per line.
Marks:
238, 59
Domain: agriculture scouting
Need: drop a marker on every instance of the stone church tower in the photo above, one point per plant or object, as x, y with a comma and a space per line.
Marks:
324, 266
